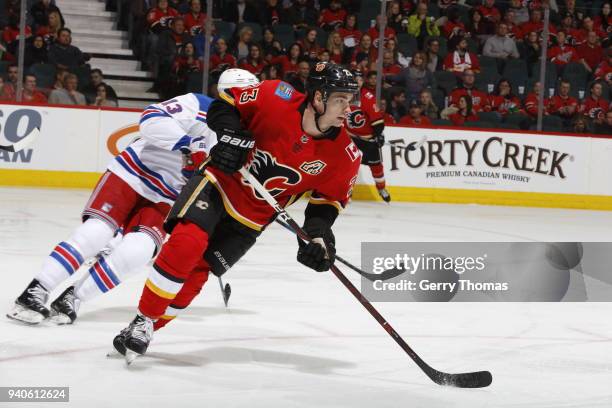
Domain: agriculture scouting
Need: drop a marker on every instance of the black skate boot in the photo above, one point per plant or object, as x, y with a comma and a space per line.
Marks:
119, 341
384, 194
137, 336
30, 305
64, 309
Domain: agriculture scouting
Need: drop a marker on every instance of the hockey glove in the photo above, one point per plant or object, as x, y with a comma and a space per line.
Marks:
320, 253
232, 150
380, 140
193, 156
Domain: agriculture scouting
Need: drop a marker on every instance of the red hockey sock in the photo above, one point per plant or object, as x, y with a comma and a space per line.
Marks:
173, 266
378, 173
191, 288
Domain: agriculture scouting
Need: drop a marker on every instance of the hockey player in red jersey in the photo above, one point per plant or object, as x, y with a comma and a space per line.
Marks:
292, 143
365, 125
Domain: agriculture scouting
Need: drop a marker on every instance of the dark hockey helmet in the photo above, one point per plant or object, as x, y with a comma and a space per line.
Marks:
327, 77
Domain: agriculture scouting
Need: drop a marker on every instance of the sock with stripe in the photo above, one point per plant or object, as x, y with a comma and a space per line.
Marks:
86, 241
131, 254
177, 259
378, 173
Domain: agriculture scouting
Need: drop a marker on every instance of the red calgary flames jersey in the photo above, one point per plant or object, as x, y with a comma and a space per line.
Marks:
287, 161
363, 116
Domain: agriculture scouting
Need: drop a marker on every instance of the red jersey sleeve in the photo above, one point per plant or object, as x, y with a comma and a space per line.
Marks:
368, 106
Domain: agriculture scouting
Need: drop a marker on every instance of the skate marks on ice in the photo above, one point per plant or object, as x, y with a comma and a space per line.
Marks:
124, 314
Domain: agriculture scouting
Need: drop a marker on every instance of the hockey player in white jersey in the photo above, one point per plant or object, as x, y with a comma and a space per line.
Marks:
133, 196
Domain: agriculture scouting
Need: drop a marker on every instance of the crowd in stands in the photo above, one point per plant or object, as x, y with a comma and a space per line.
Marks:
445, 62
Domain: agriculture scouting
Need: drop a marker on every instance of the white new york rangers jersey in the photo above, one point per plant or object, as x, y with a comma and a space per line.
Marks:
152, 164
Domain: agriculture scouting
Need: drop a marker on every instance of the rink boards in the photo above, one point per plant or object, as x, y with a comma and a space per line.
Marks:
446, 165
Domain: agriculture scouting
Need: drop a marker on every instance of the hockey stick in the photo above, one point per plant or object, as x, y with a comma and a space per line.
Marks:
24, 143
226, 290
411, 146
462, 380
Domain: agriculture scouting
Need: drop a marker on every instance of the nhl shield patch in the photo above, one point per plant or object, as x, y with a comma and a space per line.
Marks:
313, 168
284, 91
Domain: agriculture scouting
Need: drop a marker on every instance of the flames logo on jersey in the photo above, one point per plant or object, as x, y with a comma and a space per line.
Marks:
275, 177
356, 119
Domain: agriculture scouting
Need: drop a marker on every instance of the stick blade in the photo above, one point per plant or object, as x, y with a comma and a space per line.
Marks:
478, 379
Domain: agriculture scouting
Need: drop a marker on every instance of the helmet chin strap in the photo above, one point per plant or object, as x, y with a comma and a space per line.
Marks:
317, 114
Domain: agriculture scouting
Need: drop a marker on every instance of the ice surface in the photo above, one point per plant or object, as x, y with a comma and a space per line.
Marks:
296, 338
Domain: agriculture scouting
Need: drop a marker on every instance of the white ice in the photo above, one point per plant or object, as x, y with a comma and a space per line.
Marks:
295, 338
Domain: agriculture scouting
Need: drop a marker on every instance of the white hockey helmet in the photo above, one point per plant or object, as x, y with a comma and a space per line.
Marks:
235, 78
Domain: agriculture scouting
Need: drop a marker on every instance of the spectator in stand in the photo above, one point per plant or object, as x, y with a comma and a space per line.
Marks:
183, 65
374, 32
221, 60
397, 55
323, 56
562, 54
603, 21
415, 117
50, 32
604, 69
36, 52
580, 125
195, 19
370, 83
395, 18
531, 101
390, 66
243, 42
590, 53
332, 18
10, 34
240, 11
500, 45
289, 63
446, 5
464, 112
169, 46
454, 27
299, 81
160, 17
562, 104
388, 119
421, 26
503, 100
301, 14
349, 32
479, 101
69, 94
513, 29
60, 79
270, 13
415, 78
365, 47
533, 50
461, 59
520, 12
428, 106
5, 55
12, 76
604, 128
435, 62
270, 47
7, 93
102, 97
588, 24
478, 28
397, 105
570, 8
572, 35
270, 72
91, 89
254, 62
65, 55
335, 46
40, 11
309, 44
595, 106
536, 24
490, 12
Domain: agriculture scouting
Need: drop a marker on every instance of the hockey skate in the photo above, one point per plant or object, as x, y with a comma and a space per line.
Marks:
30, 305
64, 309
384, 194
134, 340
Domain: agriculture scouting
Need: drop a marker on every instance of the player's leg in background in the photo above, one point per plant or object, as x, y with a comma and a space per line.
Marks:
371, 157
106, 209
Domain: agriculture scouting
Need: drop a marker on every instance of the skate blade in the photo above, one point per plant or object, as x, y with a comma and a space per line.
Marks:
60, 319
27, 316
131, 356
113, 354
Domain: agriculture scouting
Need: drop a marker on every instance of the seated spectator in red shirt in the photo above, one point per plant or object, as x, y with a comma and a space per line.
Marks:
374, 33
349, 32
415, 117
465, 112
513, 29
603, 21
604, 69
160, 17
7, 93
589, 25
531, 101
454, 27
461, 59
309, 44
390, 66
536, 24
365, 47
479, 100
288, 64
11, 33
254, 62
503, 100
573, 36
195, 20
186, 63
221, 59
490, 12
562, 104
595, 105
561, 54
270, 13
12, 77
331, 18
50, 31
590, 53
335, 46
